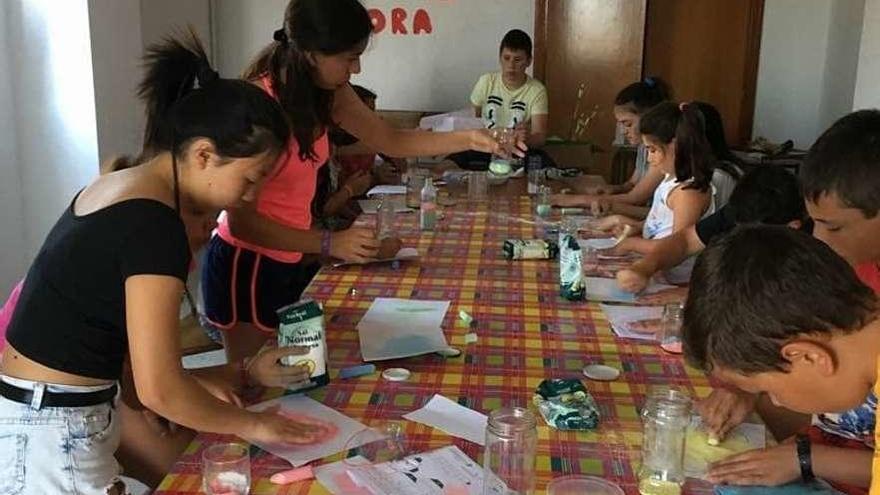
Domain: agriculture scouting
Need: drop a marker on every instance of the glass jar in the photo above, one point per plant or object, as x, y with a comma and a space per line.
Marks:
509, 456
665, 419
415, 181
670, 328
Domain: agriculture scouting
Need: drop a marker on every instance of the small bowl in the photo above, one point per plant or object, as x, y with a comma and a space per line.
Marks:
582, 485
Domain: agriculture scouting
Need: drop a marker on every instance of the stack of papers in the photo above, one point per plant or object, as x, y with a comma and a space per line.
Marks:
399, 328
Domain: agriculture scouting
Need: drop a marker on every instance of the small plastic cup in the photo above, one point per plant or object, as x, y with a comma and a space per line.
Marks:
582, 485
226, 469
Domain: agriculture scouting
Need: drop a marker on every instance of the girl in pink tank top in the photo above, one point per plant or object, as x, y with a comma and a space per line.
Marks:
254, 265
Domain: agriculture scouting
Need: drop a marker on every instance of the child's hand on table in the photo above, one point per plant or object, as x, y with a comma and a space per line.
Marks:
630, 280
772, 466
266, 369
356, 245
725, 409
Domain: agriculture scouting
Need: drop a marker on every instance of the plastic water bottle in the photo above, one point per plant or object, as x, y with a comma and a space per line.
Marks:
428, 206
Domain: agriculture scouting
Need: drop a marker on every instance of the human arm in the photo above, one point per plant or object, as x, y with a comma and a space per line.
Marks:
247, 224
687, 207
664, 254
356, 118
779, 465
162, 385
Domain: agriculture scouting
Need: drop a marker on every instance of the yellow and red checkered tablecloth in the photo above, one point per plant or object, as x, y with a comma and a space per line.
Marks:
526, 333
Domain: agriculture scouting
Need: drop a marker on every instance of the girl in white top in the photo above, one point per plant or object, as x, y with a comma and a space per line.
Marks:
675, 138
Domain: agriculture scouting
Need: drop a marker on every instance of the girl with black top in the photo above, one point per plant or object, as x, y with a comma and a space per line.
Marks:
109, 279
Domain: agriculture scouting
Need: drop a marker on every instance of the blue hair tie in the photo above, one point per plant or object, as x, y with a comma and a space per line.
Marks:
650, 82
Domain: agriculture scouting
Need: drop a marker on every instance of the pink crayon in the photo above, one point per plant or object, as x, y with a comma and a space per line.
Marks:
292, 476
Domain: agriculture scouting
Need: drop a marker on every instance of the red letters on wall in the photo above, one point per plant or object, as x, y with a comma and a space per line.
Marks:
401, 22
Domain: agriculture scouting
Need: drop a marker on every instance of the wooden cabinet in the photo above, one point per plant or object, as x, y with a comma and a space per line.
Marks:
597, 43
706, 49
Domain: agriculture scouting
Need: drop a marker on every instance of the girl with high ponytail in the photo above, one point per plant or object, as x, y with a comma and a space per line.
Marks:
675, 137
307, 68
109, 279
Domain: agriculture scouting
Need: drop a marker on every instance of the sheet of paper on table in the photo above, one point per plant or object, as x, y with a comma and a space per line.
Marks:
386, 189
371, 206
301, 405
699, 454
405, 254
445, 471
621, 318
451, 418
399, 328
606, 290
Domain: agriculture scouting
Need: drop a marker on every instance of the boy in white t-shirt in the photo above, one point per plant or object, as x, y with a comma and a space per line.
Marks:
511, 98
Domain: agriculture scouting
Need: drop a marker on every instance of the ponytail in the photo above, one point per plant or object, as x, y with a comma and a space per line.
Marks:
694, 160
641, 96
186, 99
310, 26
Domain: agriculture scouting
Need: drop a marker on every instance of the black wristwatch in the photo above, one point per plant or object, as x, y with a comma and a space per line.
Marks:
805, 458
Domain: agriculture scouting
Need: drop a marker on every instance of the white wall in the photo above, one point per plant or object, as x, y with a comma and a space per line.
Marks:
807, 69
120, 30
867, 94
433, 71
53, 115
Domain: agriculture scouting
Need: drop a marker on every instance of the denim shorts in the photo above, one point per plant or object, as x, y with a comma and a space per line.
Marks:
57, 449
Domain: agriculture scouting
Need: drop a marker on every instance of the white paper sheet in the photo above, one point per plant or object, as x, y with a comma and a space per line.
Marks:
452, 418
606, 289
598, 243
386, 189
750, 435
621, 318
399, 328
405, 254
371, 206
446, 470
299, 455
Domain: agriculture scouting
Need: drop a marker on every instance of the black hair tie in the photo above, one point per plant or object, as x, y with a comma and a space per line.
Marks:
650, 82
280, 36
206, 75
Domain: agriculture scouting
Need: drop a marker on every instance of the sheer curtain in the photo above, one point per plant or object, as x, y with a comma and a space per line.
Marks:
48, 134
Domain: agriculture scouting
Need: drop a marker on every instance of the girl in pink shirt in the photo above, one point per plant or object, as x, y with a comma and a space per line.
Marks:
253, 266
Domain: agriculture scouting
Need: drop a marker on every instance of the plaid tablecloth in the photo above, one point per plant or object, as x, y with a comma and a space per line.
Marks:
526, 333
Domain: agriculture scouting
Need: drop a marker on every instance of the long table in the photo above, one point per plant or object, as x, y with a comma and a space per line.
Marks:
526, 333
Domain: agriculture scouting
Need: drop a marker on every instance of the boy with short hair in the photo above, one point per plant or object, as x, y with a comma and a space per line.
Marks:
511, 98
773, 310
841, 185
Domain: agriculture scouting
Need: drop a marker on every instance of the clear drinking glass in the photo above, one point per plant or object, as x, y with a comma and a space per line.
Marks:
414, 184
509, 456
385, 217
665, 419
543, 206
226, 469
670, 328
478, 186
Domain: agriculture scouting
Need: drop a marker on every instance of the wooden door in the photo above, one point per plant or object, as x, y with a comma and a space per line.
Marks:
594, 42
708, 50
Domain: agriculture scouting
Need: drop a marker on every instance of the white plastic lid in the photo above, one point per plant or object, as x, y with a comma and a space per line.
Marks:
396, 374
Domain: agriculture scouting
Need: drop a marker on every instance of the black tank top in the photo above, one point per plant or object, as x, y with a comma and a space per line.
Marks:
71, 312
